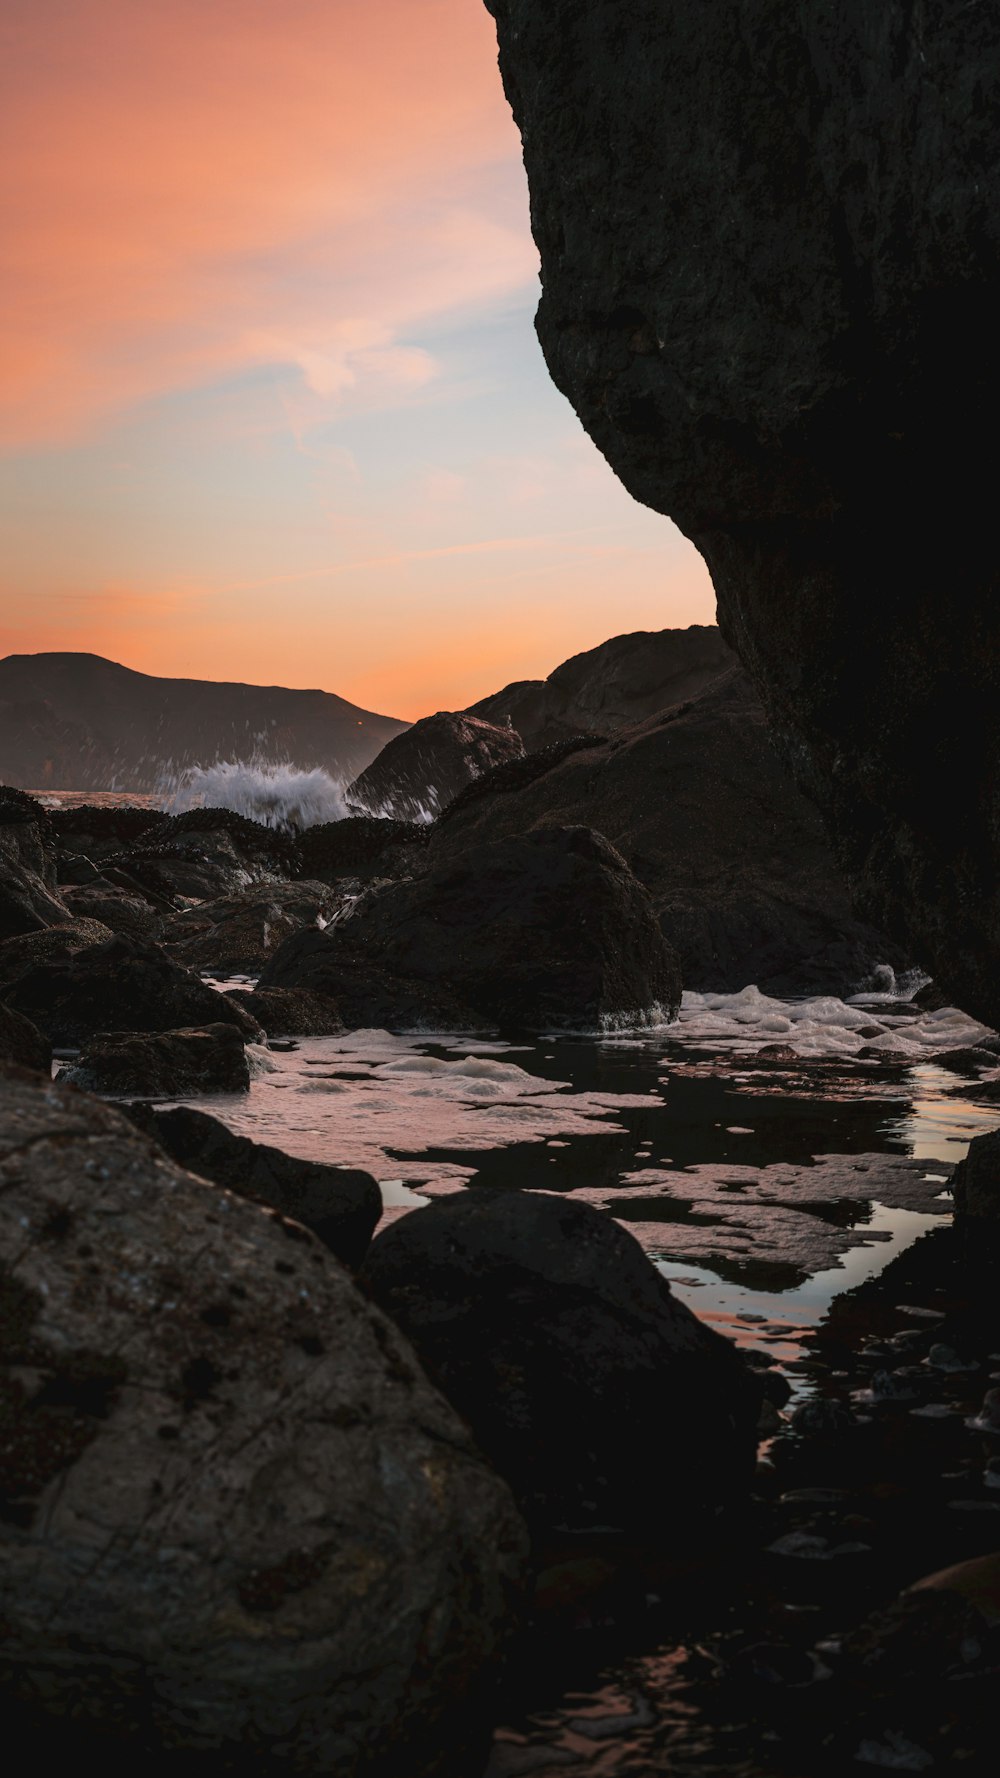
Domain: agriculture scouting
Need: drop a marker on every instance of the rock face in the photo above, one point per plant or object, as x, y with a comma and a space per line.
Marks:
164, 1064
359, 991
600, 1397
29, 900
22, 1042
237, 1525
769, 242
341, 1205
703, 808
546, 929
418, 773
237, 934
289, 1012
611, 687
79, 721
118, 986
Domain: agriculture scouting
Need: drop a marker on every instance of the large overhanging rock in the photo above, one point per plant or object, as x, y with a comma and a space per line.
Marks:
769, 239
236, 1522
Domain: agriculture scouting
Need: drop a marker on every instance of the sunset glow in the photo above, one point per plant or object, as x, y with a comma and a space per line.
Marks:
271, 405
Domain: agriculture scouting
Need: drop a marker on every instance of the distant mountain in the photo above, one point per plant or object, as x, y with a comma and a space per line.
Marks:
609, 687
79, 722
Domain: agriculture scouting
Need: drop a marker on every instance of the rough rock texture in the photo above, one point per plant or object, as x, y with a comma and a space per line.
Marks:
206, 853
29, 900
289, 1012
418, 773
119, 986
22, 1042
131, 915
545, 929
341, 1205
611, 687
360, 990
703, 808
769, 240
239, 1531
163, 1064
358, 846
599, 1396
18, 955
238, 933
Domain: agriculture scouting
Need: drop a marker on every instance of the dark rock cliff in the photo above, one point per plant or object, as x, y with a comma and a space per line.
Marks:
769, 237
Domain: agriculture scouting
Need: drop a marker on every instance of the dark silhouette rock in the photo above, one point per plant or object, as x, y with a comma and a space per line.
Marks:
341, 1205
770, 243
163, 1064
119, 986
599, 1397
358, 846
54, 944
361, 991
544, 929
29, 900
417, 774
238, 1527
611, 687
21, 1041
79, 721
289, 1012
703, 808
102, 830
207, 853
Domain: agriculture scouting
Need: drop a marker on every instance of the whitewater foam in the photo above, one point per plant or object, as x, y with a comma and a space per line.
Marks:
283, 796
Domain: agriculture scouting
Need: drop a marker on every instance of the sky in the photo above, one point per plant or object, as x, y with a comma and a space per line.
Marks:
271, 403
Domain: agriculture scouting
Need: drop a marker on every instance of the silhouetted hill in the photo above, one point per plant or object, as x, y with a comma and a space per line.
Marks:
79, 722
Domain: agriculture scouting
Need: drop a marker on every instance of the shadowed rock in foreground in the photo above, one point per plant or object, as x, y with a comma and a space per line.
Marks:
237, 1526
770, 243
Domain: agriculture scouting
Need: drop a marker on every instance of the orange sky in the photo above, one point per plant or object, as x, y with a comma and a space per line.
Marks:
270, 402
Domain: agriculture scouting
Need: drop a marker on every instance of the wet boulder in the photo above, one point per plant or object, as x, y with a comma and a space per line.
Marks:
362, 990
417, 773
236, 934
208, 852
54, 944
976, 1183
237, 1525
29, 899
22, 1042
163, 1064
540, 930
598, 1396
360, 846
290, 1012
121, 985
130, 914
341, 1205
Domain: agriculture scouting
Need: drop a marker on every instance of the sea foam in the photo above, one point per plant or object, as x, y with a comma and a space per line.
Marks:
281, 796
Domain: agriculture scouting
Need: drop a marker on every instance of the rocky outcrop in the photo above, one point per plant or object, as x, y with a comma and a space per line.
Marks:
599, 1396
289, 1012
118, 986
359, 846
417, 774
29, 900
770, 243
238, 1528
77, 721
52, 944
131, 915
358, 990
236, 934
22, 1042
341, 1205
703, 808
163, 1064
547, 929
611, 687
207, 853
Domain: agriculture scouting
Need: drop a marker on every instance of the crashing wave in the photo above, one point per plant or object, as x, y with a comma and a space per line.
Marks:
286, 797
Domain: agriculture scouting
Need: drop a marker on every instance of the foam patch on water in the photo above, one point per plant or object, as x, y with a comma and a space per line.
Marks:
822, 1026
280, 796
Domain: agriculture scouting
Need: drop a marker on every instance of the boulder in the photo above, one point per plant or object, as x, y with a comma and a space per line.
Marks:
359, 991
240, 1532
54, 944
703, 808
163, 1064
103, 830
29, 900
417, 773
237, 934
545, 929
599, 1397
119, 911
770, 246
359, 846
121, 985
22, 1042
289, 1012
341, 1205
614, 686
975, 1186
